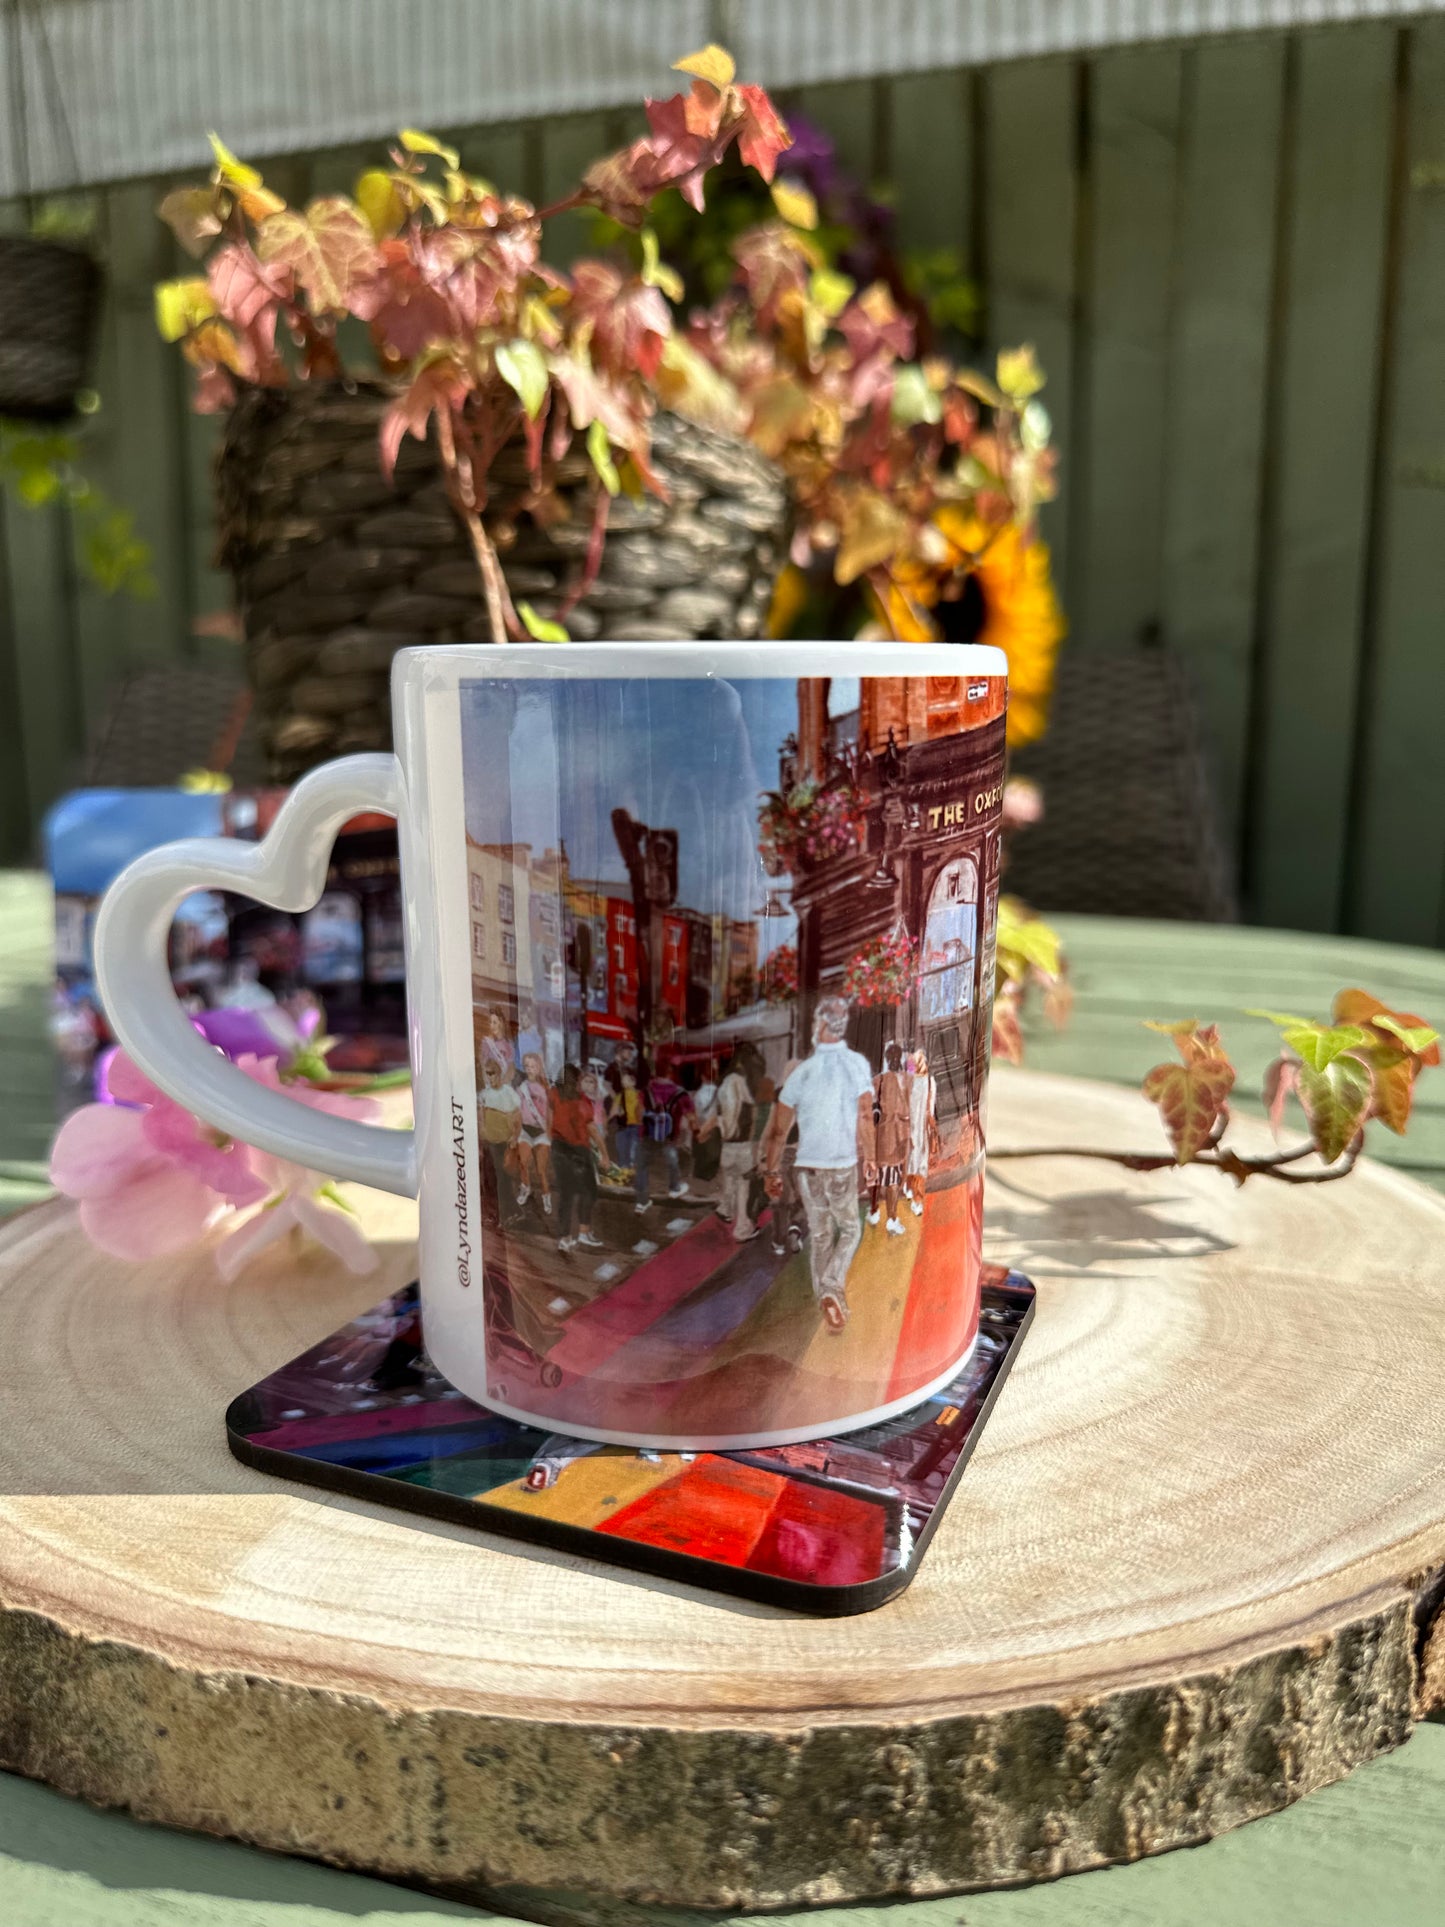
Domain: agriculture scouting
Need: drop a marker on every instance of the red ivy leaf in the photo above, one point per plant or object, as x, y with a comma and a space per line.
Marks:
1190, 1098
1280, 1080
764, 133
1008, 1038
244, 286
438, 384
329, 249
1394, 1094
1191, 1095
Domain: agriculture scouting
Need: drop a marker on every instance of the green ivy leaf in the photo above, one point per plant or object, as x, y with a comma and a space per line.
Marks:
655, 271
538, 627
1415, 1038
1316, 1044
829, 291
1336, 1100
913, 399
600, 449
182, 305
523, 367
1019, 374
416, 142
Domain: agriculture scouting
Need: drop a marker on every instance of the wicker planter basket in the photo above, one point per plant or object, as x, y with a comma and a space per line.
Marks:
336, 568
49, 305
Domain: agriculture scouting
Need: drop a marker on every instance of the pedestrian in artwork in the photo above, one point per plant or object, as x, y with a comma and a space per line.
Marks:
736, 1118
830, 1097
625, 1116
891, 1138
922, 1130
665, 1110
500, 1043
577, 1146
788, 1218
500, 1117
534, 1141
706, 1128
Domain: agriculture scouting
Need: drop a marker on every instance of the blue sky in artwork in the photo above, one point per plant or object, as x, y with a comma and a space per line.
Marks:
545, 762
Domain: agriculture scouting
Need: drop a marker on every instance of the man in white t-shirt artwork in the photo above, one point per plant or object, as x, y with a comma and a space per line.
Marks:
830, 1094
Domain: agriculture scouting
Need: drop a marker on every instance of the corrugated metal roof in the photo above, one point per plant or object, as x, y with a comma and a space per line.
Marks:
114, 89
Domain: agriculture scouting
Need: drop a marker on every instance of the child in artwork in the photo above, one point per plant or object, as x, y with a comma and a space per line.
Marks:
893, 1126
534, 1142
922, 1130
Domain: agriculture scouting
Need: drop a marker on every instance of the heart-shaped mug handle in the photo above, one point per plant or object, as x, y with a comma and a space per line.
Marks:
286, 871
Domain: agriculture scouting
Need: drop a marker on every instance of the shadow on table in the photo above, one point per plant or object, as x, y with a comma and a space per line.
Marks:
1086, 1232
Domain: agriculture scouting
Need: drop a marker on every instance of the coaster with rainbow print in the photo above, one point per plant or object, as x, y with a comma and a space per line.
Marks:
834, 1526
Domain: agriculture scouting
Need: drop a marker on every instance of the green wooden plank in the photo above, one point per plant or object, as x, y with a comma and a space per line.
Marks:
1218, 369
850, 111
569, 147
1398, 866
1322, 430
1116, 519
499, 155
930, 161
15, 825
100, 638
1030, 217
140, 429
37, 542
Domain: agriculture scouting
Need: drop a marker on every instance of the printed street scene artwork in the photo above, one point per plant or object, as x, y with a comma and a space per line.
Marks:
367, 1411
732, 952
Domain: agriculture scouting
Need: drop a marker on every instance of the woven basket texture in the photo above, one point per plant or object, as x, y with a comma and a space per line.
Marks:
337, 568
160, 723
49, 306
1130, 827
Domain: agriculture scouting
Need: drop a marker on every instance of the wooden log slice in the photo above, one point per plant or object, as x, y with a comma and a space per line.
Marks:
1190, 1575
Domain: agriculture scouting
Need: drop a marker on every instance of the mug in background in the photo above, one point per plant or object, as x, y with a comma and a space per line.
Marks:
700, 952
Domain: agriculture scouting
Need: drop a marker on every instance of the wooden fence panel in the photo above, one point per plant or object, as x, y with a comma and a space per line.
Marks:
1231, 259
1030, 228
1397, 880
1218, 369
1116, 479
1323, 426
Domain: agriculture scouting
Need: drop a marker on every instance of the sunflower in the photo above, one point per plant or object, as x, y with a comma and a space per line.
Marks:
988, 586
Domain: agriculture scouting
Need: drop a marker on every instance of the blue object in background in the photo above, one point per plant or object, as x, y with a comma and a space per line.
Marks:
91, 835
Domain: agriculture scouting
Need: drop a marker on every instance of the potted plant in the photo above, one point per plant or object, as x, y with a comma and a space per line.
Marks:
508, 420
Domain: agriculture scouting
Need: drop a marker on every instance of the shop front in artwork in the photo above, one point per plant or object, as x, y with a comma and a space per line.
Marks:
901, 918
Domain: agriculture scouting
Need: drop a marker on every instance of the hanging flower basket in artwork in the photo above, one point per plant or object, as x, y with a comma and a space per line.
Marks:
883, 972
808, 824
778, 978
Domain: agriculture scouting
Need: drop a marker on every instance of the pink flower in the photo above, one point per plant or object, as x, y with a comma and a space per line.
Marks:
297, 1209
134, 1202
151, 1179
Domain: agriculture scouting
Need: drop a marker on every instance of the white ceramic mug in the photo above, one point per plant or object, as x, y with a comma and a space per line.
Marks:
700, 944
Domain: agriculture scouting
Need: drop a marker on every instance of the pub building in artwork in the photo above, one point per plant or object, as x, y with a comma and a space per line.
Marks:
925, 756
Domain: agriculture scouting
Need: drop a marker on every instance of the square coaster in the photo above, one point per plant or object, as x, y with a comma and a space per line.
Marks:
837, 1525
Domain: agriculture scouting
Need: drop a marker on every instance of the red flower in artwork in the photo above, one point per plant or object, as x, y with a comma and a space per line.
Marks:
809, 824
778, 979
884, 971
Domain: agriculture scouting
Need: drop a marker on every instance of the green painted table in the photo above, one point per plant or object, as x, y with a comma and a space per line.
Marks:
1361, 1854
